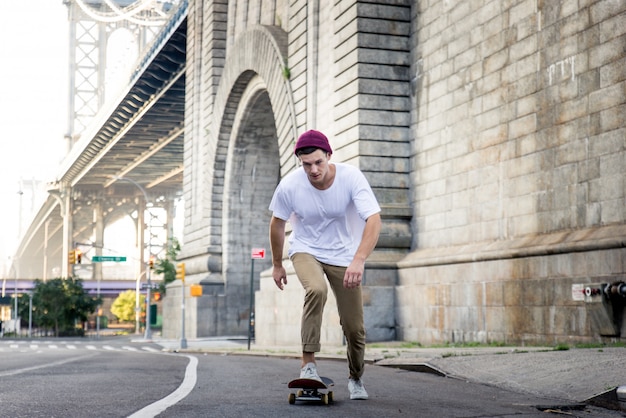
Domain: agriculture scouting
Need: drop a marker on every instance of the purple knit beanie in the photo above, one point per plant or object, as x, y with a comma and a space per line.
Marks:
313, 138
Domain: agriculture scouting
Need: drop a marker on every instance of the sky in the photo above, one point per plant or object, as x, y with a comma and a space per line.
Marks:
34, 65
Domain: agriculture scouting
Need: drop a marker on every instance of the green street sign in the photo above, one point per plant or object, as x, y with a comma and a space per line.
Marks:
101, 258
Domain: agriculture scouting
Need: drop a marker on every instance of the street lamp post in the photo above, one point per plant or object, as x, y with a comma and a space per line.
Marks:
183, 340
98, 312
30, 314
148, 333
15, 301
137, 302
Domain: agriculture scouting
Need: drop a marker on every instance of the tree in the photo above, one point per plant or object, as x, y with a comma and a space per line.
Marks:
124, 305
60, 304
166, 265
23, 308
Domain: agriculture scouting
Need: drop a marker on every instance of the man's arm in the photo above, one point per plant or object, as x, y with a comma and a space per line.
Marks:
277, 242
354, 272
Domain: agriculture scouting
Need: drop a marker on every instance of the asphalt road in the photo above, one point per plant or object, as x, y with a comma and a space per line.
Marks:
116, 378
76, 379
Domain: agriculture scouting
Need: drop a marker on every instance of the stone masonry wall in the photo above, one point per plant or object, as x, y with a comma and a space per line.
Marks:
518, 167
492, 132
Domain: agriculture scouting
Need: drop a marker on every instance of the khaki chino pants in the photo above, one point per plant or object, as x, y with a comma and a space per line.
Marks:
349, 305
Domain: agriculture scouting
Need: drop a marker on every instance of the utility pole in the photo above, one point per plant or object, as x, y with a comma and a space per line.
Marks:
148, 332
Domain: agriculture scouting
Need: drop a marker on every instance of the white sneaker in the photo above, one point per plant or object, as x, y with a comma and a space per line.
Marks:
357, 390
309, 371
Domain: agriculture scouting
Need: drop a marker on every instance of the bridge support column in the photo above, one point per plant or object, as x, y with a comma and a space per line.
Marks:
98, 217
46, 237
63, 197
66, 213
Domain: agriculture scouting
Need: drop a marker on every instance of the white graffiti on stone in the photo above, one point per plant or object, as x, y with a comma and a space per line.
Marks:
568, 64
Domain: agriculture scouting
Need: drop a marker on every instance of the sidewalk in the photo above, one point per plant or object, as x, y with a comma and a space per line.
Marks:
578, 375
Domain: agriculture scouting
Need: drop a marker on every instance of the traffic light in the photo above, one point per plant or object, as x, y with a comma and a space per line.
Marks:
180, 271
72, 257
157, 296
78, 255
151, 262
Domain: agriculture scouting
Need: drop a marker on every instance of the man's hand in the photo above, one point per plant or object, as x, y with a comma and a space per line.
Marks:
354, 274
280, 276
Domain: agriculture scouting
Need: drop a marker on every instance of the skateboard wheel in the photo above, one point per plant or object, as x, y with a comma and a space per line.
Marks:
330, 397
292, 398
300, 393
324, 399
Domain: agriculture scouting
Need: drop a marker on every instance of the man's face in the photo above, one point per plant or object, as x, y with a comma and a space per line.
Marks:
317, 168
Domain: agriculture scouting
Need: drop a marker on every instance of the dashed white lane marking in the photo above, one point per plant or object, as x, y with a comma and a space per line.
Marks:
189, 382
37, 347
129, 348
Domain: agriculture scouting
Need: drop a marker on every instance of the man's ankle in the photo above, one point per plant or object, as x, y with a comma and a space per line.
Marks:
308, 358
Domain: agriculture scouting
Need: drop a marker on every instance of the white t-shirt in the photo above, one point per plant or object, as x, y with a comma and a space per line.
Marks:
327, 224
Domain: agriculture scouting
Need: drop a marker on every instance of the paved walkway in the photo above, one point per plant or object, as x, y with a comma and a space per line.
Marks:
578, 375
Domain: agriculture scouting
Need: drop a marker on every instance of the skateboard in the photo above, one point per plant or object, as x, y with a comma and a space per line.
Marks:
311, 390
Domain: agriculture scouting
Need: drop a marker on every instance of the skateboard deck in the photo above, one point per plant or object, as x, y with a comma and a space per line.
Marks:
311, 390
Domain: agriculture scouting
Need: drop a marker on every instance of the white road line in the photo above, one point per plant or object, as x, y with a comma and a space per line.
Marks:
151, 349
71, 347
56, 363
91, 347
173, 398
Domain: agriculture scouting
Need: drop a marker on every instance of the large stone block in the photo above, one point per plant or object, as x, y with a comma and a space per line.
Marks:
378, 312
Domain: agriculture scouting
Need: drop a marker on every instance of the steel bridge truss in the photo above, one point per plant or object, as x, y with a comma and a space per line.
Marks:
128, 157
93, 24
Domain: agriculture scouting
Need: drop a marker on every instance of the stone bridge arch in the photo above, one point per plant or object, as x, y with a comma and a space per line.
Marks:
255, 116
260, 52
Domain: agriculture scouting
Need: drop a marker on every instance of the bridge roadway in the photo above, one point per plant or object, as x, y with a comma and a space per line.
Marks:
132, 150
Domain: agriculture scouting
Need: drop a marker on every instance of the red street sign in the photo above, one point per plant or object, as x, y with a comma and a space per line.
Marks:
258, 253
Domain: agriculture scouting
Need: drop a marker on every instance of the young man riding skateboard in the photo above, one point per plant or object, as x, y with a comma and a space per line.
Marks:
335, 221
